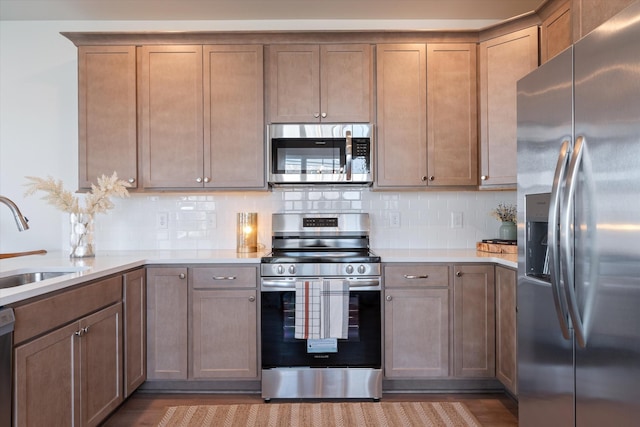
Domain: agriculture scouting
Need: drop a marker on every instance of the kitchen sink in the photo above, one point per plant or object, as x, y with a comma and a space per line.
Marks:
32, 276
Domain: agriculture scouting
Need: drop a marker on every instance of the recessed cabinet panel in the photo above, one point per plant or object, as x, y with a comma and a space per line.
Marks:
107, 126
452, 125
402, 115
171, 116
234, 117
503, 61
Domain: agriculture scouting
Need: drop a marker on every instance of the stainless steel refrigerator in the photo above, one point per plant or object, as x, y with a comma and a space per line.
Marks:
579, 232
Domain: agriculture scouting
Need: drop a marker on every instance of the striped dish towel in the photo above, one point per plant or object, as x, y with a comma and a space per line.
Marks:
322, 309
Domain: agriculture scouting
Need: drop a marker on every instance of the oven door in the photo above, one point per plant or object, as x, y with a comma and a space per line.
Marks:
362, 348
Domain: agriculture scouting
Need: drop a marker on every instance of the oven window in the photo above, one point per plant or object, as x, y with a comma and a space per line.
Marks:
362, 348
289, 317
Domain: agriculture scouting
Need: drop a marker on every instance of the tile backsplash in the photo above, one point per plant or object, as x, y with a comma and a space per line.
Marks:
207, 221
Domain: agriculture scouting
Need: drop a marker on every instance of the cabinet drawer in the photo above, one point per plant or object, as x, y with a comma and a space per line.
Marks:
43, 315
224, 277
408, 275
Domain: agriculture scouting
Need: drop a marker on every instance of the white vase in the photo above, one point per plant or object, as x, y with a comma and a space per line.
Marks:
81, 237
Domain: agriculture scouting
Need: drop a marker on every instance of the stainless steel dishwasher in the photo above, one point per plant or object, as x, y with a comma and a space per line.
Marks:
7, 320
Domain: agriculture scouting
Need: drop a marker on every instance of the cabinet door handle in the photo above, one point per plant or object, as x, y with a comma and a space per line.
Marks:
324, 115
224, 277
206, 179
484, 177
410, 276
182, 275
424, 178
389, 298
432, 178
198, 179
252, 298
131, 180
458, 273
78, 333
316, 115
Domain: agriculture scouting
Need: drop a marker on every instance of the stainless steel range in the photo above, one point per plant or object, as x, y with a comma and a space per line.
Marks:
321, 309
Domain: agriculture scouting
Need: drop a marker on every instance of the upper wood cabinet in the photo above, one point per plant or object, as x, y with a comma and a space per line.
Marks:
313, 83
427, 115
587, 15
171, 116
202, 116
234, 129
402, 115
452, 124
555, 32
503, 61
107, 114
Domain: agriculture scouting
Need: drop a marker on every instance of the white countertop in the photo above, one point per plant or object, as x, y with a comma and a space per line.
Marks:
111, 262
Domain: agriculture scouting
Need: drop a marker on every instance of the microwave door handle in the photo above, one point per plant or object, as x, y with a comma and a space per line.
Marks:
348, 152
552, 238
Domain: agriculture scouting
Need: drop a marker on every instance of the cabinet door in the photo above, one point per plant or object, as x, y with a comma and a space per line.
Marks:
402, 116
345, 83
101, 359
135, 336
294, 83
416, 333
474, 321
107, 132
555, 33
171, 116
224, 334
167, 323
452, 135
45, 384
503, 61
506, 341
234, 116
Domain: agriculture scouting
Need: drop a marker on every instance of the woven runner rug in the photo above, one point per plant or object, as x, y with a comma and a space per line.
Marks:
347, 414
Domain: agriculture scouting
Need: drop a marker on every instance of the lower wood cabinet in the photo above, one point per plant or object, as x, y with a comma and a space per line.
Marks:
167, 323
135, 335
202, 323
72, 375
416, 321
224, 322
474, 321
506, 328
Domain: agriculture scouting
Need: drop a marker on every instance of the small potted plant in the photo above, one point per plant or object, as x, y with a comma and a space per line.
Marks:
506, 213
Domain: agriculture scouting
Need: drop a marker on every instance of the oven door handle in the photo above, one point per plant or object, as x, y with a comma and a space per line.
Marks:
282, 285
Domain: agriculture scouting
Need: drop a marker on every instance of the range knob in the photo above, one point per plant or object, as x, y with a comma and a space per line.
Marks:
292, 269
349, 269
280, 269
362, 269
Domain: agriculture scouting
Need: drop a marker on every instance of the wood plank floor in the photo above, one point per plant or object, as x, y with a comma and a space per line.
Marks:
146, 409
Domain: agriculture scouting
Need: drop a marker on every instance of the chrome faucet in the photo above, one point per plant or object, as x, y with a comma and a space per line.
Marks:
21, 221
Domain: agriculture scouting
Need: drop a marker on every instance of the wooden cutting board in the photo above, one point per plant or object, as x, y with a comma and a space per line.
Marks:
498, 248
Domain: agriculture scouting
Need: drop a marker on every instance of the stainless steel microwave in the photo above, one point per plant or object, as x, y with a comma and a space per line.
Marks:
320, 154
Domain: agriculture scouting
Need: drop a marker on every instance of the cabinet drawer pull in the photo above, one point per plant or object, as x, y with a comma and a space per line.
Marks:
410, 276
224, 277
458, 273
182, 275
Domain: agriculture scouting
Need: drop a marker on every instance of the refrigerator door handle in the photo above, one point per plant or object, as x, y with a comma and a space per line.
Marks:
553, 239
566, 236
